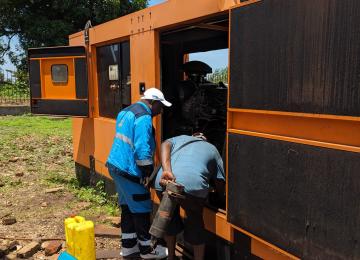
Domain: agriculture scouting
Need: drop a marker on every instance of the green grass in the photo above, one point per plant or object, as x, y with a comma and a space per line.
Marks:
44, 148
28, 124
8, 183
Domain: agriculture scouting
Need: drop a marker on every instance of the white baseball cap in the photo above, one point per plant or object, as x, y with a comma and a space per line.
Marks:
156, 94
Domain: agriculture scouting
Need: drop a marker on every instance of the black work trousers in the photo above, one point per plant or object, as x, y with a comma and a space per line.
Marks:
135, 229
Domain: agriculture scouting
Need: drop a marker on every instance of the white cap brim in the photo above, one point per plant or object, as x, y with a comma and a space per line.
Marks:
163, 101
166, 103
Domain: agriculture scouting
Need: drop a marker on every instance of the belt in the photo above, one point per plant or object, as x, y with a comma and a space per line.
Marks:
124, 174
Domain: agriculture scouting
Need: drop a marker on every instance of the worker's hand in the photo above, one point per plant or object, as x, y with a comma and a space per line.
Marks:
146, 182
165, 177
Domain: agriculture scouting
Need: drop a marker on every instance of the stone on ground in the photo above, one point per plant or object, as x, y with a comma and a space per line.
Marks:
11, 256
53, 190
115, 221
28, 250
53, 247
8, 221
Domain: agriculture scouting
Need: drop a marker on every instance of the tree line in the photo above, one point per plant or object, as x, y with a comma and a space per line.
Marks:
40, 23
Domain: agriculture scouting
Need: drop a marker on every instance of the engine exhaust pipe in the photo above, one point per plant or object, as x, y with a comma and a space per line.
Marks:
165, 212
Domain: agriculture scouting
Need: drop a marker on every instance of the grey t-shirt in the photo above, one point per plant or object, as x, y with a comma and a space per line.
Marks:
194, 165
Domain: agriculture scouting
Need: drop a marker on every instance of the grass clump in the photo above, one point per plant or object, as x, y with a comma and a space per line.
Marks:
100, 201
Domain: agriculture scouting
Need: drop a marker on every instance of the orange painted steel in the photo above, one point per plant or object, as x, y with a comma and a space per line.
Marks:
270, 112
144, 63
355, 149
83, 140
332, 130
266, 251
167, 14
227, 119
94, 87
216, 223
231, 4
265, 248
54, 58
51, 90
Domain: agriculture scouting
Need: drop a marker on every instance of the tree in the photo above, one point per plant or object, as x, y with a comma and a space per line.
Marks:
39, 23
219, 75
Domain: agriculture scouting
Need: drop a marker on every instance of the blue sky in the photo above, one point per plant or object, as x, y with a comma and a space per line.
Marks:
8, 65
215, 59
155, 2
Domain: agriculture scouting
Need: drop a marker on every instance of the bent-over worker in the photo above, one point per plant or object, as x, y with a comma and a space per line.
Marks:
192, 162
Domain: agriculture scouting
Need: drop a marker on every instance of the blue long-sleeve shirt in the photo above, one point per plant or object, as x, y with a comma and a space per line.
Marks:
134, 141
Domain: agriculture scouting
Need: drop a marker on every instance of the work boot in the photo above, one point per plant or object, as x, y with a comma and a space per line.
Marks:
159, 252
132, 252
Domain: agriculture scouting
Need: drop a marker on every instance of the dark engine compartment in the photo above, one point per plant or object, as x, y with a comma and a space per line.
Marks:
198, 106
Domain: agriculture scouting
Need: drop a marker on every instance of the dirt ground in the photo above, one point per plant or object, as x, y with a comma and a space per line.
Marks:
35, 156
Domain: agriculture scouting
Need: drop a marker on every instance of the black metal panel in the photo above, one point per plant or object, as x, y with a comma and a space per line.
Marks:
81, 78
209, 44
35, 81
302, 198
56, 51
60, 107
301, 56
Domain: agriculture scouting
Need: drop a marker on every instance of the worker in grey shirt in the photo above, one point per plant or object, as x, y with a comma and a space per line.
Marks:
192, 162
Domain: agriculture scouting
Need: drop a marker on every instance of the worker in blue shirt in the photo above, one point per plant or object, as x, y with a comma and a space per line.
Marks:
194, 163
129, 163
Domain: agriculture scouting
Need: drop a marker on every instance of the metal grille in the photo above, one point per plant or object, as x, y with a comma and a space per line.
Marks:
12, 91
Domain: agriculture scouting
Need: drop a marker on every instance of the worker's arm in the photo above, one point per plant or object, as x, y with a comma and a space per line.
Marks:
167, 174
166, 156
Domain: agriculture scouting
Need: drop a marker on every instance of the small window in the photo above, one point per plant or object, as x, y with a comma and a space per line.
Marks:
59, 73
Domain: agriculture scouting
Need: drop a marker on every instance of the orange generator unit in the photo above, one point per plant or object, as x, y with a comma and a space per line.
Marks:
287, 122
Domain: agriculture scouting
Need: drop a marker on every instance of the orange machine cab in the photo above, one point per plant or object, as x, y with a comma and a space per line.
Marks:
287, 122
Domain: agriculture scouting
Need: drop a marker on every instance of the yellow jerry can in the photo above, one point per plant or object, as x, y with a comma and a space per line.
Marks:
80, 238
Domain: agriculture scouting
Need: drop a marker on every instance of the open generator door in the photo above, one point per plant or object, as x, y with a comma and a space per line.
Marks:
293, 64
59, 81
